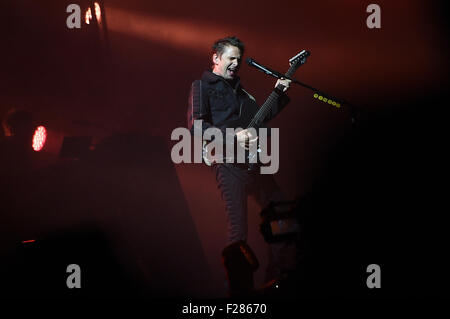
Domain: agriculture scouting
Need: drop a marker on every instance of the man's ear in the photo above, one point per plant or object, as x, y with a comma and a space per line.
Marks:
215, 58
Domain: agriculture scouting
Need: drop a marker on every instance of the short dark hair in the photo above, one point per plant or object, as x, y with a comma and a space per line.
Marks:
219, 46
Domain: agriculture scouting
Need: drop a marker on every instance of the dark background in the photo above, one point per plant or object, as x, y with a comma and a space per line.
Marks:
373, 191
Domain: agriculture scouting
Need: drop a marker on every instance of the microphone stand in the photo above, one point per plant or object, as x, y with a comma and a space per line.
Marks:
280, 76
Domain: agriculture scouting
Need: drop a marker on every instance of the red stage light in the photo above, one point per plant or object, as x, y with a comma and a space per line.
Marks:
88, 16
98, 12
28, 241
40, 135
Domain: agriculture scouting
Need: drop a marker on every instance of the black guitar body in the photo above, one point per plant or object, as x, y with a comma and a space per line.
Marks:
248, 112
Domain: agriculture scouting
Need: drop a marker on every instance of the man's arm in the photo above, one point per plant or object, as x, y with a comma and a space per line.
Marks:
244, 137
283, 99
198, 108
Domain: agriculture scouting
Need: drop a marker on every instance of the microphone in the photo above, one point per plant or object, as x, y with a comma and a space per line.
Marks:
300, 58
262, 68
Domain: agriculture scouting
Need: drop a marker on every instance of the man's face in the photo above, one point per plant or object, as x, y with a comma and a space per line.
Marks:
228, 64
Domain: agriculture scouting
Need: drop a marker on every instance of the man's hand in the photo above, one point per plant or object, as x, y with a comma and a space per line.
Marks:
284, 82
245, 138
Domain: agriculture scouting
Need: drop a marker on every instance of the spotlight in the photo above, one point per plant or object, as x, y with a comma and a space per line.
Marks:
98, 12
39, 138
88, 16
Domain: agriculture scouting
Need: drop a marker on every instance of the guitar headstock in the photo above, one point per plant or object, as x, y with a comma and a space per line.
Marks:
299, 59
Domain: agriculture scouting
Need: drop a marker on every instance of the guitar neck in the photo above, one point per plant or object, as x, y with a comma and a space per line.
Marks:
270, 102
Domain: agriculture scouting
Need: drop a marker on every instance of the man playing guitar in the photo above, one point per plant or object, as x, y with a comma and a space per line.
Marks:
219, 100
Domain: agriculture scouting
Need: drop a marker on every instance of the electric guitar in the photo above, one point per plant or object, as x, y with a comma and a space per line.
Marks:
253, 117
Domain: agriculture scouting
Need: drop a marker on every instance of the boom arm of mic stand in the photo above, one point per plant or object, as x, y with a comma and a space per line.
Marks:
278, 75
328, 96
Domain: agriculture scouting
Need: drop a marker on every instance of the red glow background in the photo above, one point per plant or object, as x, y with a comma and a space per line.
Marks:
396, 76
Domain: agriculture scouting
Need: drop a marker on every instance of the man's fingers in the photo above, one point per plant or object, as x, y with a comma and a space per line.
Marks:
248, 143
244, 146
